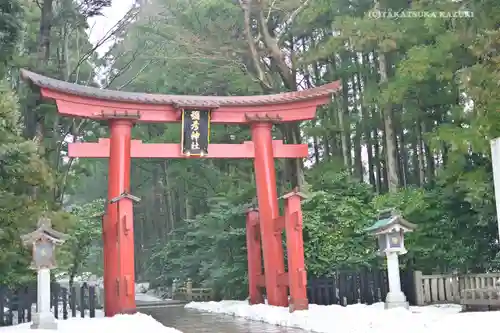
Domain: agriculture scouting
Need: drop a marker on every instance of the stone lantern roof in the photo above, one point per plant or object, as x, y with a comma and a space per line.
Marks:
44, 231
389, 221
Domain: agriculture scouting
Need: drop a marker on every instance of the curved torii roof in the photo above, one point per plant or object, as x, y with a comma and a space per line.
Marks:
82, 101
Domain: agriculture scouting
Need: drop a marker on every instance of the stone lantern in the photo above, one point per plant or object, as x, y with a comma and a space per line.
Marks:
390, 230
43, 241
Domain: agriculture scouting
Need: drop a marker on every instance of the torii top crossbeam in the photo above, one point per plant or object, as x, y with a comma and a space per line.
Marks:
99, 104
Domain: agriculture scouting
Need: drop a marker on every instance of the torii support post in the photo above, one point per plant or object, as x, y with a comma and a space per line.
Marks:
119, 284
297, 277
254, 257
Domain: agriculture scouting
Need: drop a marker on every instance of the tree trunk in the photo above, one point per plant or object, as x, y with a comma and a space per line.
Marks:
392, 164
378, 160
414, 156
366, 117
421, 155
429, 155
343, 113
43, 48
168, 195
358, 109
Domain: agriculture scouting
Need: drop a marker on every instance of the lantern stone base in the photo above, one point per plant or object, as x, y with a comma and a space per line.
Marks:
44, 321
396, 300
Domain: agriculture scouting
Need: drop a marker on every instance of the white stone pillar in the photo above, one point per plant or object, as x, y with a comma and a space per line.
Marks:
43, 318
395, 297
495, 163
393, 272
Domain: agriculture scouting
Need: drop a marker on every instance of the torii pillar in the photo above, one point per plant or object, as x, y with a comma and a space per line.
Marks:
119, 283
267, 198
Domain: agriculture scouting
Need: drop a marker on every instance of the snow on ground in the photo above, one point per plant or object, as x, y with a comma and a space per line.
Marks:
141, 287
121, 323
140, 297
359, 318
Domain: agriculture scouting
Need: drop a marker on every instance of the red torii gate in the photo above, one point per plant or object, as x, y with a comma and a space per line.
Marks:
123, 109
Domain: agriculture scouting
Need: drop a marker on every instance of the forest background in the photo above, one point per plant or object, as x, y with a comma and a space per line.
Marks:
410, 129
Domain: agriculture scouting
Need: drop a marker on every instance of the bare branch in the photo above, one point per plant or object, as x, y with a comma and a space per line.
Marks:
75, 130
291, 18
270, 10
261, 74
130, 15
124, 68
276, 53
136, 75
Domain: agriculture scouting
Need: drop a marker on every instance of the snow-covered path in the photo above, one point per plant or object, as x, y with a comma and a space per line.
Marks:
192, 321
359, 318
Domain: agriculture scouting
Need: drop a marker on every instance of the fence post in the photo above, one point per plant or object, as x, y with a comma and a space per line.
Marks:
419, 288
10, 315
55, 299
20, 306
456, 280
72, 301
65, 303
82, 300
189, 290
31, 299
92, 301
174, 288
2, 305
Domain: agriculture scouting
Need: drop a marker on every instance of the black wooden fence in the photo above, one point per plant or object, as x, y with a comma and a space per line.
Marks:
18, 304
365, 286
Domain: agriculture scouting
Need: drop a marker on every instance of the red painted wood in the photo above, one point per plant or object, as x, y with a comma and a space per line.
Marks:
109, 277
295, 249
254, 257
279, 224
76, 106
100, 149
261, 281
267, 196
119, 255
283, 279
51, 85
126, 256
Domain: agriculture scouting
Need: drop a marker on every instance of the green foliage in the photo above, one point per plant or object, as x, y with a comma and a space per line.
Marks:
82, 252
10, 30
454, 232
20, 165
20, 170
333, 232
209, 248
